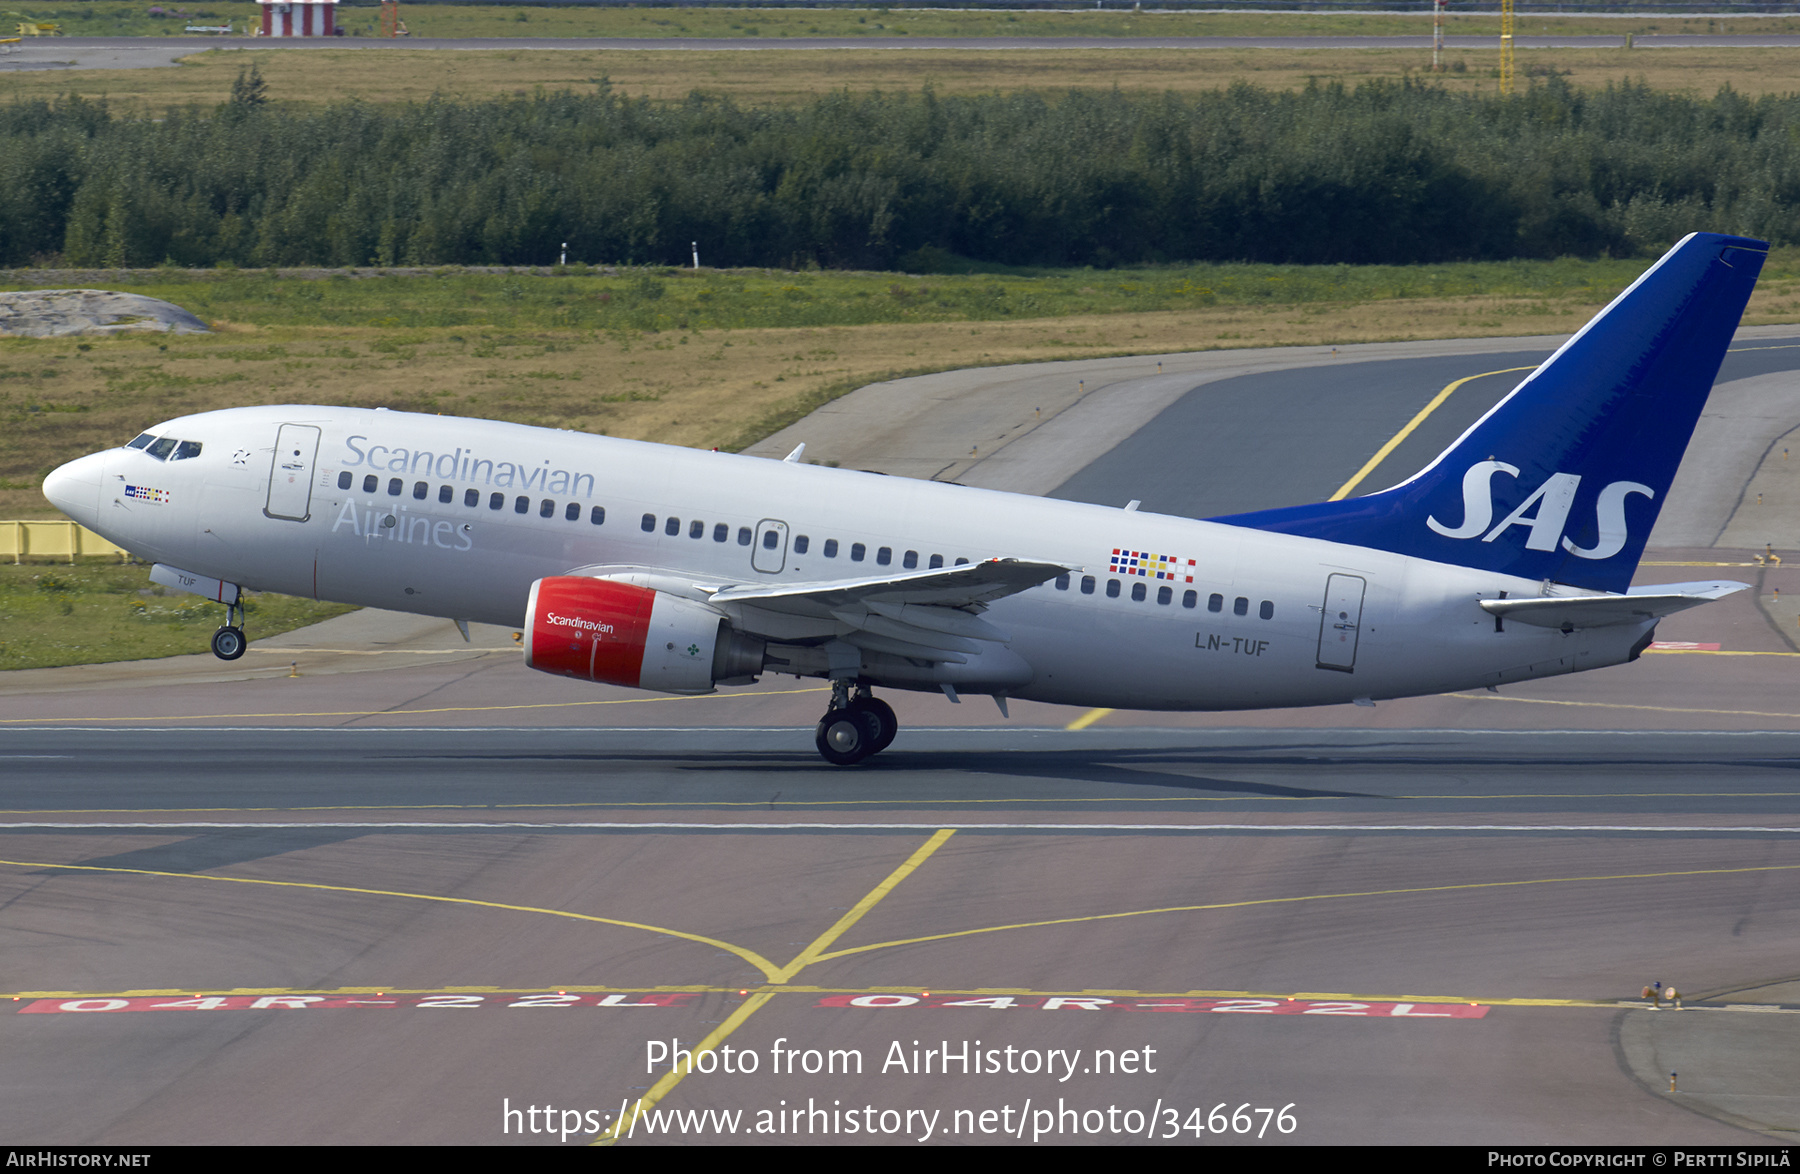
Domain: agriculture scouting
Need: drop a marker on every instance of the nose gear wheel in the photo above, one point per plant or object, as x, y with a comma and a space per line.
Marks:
228, 643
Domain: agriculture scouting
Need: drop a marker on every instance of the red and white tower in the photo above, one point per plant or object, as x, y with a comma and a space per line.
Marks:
298, 18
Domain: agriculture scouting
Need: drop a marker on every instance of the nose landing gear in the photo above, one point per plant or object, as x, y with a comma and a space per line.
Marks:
228, 642
856, 726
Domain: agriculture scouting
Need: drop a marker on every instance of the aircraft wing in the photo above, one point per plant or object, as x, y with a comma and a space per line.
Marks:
1600, 611
917, 614
963, 586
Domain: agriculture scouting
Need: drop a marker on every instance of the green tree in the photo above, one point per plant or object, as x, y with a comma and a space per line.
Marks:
249, 90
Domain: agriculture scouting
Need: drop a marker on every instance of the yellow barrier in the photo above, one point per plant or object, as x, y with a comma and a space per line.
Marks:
68, 540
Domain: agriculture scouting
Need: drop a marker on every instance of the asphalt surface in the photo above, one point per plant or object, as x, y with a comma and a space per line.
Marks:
38, 53
1222, 428
1426, 922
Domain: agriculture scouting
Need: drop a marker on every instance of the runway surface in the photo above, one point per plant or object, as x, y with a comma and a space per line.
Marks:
1426, 922
155, 52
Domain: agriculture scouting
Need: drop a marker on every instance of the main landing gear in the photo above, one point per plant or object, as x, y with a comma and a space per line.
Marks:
856, 726
228, 642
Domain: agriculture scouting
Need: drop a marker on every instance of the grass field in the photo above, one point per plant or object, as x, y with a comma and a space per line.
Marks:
95, 18
96, 613
776, 76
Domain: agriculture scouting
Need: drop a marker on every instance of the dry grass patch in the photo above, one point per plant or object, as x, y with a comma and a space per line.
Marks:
780, 76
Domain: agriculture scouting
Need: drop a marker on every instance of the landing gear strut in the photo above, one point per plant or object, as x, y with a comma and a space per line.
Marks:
856, 726
228, 642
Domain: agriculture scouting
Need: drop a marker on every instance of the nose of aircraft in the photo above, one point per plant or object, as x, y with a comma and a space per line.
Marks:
74, 488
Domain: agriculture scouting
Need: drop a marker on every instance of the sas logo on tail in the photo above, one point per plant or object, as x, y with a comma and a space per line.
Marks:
1552, 503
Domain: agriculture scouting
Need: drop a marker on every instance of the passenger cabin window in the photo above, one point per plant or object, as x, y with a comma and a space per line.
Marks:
857, 550
672, 527
1240, 606
394, 487
597, 515
496, 501
771, 539
521, 504
1189, 598
744, 536
910, 559
573, 512
420, 489
884, 556
1138, 591
962, 562
1165, 595
831, 548
1087, 584
445, 494
1267, 610
649, 524
801, 542
371, 483
1215, 602
546, 508
1112, 588
696, 529
937, 560
344, 480
721, 532
471, 497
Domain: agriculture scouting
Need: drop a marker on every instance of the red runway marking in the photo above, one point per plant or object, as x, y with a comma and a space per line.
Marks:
509, 1000
1179, 1005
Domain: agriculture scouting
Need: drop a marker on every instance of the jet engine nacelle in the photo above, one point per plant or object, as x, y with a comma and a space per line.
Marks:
621, 634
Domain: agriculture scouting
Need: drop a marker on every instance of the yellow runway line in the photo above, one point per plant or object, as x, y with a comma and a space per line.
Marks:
1437, 401
805, 958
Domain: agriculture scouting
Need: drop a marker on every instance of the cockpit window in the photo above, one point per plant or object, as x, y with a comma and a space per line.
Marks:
162, 448
143, 441
186, 450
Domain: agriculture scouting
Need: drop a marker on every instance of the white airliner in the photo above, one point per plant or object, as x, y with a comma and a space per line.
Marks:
1508, 558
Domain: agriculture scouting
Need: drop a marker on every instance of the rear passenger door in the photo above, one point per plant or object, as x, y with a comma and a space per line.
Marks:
1340, 623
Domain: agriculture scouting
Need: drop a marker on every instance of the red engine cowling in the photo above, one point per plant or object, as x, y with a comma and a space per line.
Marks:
622, 634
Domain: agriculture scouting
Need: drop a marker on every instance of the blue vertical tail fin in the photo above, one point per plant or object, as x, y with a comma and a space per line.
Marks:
1563, 479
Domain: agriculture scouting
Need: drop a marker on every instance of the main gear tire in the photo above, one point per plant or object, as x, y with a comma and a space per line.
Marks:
846, 736
886, 723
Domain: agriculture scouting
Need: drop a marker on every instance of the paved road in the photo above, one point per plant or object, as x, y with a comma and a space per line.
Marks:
1211, 452
153, 52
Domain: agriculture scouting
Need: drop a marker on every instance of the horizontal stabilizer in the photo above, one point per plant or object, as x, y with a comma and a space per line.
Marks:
1603, 611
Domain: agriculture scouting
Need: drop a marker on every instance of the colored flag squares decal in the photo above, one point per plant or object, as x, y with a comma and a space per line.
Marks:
145, 493
1152, 566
